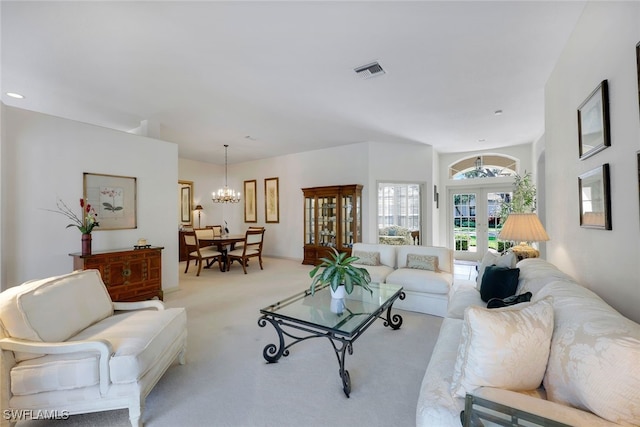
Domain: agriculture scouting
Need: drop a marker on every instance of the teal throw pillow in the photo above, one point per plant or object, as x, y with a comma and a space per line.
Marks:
391, 232
499, 282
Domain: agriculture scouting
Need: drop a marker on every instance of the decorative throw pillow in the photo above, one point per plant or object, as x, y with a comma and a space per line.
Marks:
367, 258
499, 282
492, 258
422, 262
391, 232
505, 347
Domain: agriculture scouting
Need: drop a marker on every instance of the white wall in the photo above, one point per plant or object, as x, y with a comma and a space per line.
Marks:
602, 46
43, 158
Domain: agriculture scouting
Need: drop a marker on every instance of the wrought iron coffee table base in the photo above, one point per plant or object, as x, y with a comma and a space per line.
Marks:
341, 344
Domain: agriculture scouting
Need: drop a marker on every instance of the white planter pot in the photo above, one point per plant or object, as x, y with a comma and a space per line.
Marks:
339, 293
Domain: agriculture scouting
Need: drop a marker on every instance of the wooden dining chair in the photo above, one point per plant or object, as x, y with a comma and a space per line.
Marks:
252, 248
217, 230
201, 255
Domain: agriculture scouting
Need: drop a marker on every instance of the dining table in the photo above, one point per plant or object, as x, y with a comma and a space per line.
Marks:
221, 242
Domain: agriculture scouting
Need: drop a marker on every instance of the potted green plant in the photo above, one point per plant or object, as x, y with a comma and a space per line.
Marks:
339, 273
523, 199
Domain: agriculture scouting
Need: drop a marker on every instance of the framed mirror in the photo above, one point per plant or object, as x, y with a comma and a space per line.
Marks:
595, 198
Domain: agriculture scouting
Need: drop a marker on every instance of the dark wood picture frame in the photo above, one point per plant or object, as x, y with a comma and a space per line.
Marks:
271, 200
185, 196
594, 192
638, 66
593, 122
250, 201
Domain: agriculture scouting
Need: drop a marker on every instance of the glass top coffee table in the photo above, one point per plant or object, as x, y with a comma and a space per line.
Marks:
342, 321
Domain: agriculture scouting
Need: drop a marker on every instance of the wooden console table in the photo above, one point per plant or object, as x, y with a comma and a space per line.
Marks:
129, 274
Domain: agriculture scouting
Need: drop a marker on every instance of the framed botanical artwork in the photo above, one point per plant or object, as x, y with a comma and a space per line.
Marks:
593, 122
185, 202
271, 200
595, 198
114, 199
250, 201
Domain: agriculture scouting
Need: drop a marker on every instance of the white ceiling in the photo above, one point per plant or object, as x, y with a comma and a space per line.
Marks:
270, 78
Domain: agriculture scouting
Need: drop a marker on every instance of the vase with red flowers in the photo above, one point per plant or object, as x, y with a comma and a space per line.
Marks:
85, 223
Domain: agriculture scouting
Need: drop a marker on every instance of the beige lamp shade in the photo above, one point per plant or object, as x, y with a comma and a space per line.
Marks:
523, 227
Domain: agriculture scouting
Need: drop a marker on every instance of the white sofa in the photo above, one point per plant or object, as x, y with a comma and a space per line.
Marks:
66, 348
591, 374
426, 291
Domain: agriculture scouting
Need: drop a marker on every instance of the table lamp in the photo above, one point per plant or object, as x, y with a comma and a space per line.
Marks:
199, 208
523, 228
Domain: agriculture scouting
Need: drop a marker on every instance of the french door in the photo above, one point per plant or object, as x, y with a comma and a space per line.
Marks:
474, 219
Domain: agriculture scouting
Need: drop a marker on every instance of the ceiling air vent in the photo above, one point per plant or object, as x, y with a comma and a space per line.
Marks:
370, 70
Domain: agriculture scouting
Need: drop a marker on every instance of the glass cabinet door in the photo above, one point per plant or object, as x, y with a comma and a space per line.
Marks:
348, 222
309, 220
327, 226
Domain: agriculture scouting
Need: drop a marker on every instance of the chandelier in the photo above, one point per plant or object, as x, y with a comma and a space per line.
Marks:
225, 195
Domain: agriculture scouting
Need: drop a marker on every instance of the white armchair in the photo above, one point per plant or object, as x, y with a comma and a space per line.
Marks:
395, 235
66, 348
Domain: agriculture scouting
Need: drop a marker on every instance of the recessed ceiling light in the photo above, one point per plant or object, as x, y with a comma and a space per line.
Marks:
482, 140
15, 95
498, 112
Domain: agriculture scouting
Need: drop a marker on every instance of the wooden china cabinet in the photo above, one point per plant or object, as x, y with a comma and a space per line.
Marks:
332, 219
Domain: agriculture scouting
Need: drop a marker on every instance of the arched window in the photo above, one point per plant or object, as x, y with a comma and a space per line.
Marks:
483, 166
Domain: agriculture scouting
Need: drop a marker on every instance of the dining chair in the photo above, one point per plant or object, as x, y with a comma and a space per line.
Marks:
252, 248
199, 254
217, 230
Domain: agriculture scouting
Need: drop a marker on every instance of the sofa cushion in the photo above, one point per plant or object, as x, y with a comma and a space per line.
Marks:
594, 362
505, 347
421, 280
445, 255
387, 253
55, 372
378, 273
367, 258
56, 308
507, 260
422, 262
499, 282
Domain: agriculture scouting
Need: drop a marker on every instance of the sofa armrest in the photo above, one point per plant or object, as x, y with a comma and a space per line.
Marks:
103, 347
138, 305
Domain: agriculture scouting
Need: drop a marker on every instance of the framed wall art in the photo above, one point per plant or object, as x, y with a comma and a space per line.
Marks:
593, 122
271, 200
185, 202
595, 198
250, 201
638, 67
114, 199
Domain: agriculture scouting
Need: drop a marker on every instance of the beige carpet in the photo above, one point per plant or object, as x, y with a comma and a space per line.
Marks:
226, 382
